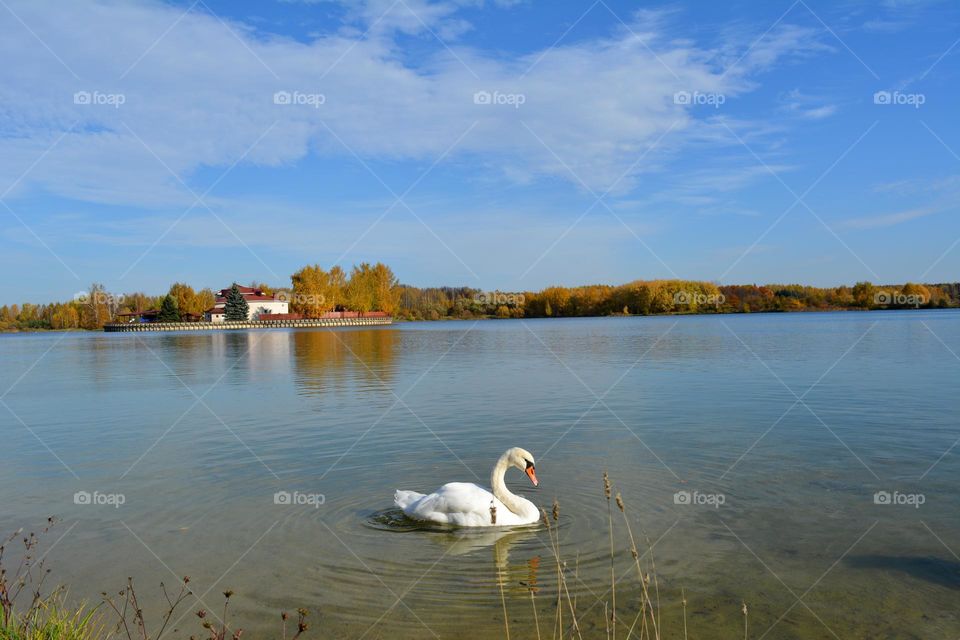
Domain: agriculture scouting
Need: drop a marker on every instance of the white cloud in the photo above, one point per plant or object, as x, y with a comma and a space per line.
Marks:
806, 106
937, 193
888, 219
201, 94
818, 113
880, 25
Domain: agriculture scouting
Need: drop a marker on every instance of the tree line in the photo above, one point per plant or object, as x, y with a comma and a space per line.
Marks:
314, 291
652, 297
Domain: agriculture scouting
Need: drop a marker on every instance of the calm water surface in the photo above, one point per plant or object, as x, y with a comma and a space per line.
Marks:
792, 422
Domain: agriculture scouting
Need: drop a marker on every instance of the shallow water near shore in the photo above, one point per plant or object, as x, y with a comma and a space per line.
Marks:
801, 463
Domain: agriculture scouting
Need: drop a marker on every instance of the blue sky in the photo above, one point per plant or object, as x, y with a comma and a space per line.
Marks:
499, 144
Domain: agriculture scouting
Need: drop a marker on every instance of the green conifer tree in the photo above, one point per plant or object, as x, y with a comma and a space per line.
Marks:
236, 309
169, 311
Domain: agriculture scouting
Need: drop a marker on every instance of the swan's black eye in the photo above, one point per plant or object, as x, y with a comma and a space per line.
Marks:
529, 464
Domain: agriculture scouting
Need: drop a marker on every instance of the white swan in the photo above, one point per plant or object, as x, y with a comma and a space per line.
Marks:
467, 505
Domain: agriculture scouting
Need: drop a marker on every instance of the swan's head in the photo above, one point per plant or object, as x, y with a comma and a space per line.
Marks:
523, 460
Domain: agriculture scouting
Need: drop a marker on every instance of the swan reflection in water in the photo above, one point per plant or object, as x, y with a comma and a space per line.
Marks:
500, 541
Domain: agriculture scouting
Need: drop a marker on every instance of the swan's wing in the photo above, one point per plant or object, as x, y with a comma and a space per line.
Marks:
460, 503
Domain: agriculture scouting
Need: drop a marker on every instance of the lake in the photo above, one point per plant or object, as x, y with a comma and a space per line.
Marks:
800, 463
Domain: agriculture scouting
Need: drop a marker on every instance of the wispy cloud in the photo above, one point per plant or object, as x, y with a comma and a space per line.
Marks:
888, 219
819, 113
199, 94
806, 106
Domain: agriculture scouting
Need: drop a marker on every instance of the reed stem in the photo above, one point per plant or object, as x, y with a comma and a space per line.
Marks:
654, 624
536, 620
683, 599
503, 602
613, 581
744, 610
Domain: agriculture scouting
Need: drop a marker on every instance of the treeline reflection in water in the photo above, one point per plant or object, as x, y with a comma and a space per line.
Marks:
321, 359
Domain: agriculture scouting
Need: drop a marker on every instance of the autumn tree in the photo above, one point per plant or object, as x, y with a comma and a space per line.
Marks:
386, 292
203, 300
64, 316
361, 288
863, 294
97, 307
185, 297
638, 298
310, 287
556, 299
914, 295
425, 304
134, 302
336, 287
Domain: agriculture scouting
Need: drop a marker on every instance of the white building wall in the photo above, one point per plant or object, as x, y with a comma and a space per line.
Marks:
267, 307
258, 310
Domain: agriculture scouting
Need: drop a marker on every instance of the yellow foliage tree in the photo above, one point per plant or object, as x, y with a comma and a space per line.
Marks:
185, 296
361, 294
310, 287
386, 290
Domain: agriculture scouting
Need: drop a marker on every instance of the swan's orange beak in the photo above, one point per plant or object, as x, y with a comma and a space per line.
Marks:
532, 474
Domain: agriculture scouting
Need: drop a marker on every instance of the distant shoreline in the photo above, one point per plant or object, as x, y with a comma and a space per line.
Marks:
396, 321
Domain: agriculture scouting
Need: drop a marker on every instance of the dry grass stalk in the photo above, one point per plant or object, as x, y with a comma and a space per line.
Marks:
744, 610
44, 616
613, 579
561, 573
536, 620
656, 580
647, 606
576, 577
683, 599
11, 586
503, 598
132, 624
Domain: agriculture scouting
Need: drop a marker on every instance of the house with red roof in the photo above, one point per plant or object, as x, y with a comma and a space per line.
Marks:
261, 305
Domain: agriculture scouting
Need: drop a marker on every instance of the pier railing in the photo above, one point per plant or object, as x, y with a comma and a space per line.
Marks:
301, 323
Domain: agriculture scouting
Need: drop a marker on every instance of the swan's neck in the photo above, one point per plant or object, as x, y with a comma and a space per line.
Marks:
513, 502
